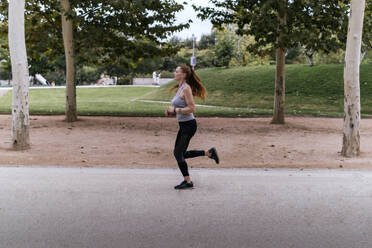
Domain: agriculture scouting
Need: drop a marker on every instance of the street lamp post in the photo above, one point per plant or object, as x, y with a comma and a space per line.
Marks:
238, 54
193, 59
193, 45
215, 44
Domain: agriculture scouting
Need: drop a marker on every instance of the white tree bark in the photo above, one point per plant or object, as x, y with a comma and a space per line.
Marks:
351, 137
68, 41
18, 56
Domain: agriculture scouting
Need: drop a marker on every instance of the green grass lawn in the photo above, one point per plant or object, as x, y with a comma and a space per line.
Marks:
102, 101
238, 91
90, 101
314, 90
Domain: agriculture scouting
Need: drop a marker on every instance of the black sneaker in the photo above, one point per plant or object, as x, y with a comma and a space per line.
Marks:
184, 185
183, 182
214, 155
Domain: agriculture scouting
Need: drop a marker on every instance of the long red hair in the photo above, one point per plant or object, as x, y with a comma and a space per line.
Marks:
193, 80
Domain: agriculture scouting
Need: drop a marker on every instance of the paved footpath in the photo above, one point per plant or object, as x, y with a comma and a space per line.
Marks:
55, 207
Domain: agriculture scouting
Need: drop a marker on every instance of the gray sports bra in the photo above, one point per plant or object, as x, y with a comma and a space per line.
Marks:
178, 102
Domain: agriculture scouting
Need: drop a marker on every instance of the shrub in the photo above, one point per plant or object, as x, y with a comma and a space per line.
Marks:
125, 80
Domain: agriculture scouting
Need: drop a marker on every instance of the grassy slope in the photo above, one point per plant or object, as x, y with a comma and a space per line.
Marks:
107, 101
248, 90
314, 90
90, 101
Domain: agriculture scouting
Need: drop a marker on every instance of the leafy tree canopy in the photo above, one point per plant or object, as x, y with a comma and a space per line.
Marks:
108, 32
313, 24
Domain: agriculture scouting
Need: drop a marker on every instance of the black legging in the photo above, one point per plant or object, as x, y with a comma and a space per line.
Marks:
185, 133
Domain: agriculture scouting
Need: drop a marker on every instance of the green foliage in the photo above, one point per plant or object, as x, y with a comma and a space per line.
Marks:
56, 76
148, 65
5, 66
205, 58
5, 70
125, 80
337, 57
309, 23
166, 74
187, 43
169, 63
87, 75
367, 58
225, 48
207, 41
106, 33
367, 27
175, 41
224, 51
292, 56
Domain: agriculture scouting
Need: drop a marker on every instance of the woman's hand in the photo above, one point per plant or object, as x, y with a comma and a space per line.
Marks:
169, 111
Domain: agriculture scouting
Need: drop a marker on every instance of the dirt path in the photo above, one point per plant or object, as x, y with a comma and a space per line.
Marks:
137, 141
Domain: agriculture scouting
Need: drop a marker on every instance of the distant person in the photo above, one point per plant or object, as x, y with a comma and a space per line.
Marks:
158, 79
154, 77
183, 106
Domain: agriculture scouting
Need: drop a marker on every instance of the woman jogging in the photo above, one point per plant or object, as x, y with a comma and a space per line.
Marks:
183, 106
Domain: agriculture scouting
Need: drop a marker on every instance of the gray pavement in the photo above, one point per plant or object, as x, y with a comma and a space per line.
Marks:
138, 207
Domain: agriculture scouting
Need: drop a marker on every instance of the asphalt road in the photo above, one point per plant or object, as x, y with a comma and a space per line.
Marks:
133, 207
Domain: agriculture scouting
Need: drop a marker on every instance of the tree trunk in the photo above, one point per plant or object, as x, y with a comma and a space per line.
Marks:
68, 41
279, 97
309, 56
18, 56
311, 60
351, 137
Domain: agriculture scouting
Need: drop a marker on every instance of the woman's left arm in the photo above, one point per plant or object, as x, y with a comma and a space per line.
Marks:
189, 98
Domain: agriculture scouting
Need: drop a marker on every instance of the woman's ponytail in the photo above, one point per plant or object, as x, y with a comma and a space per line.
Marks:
193, 80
